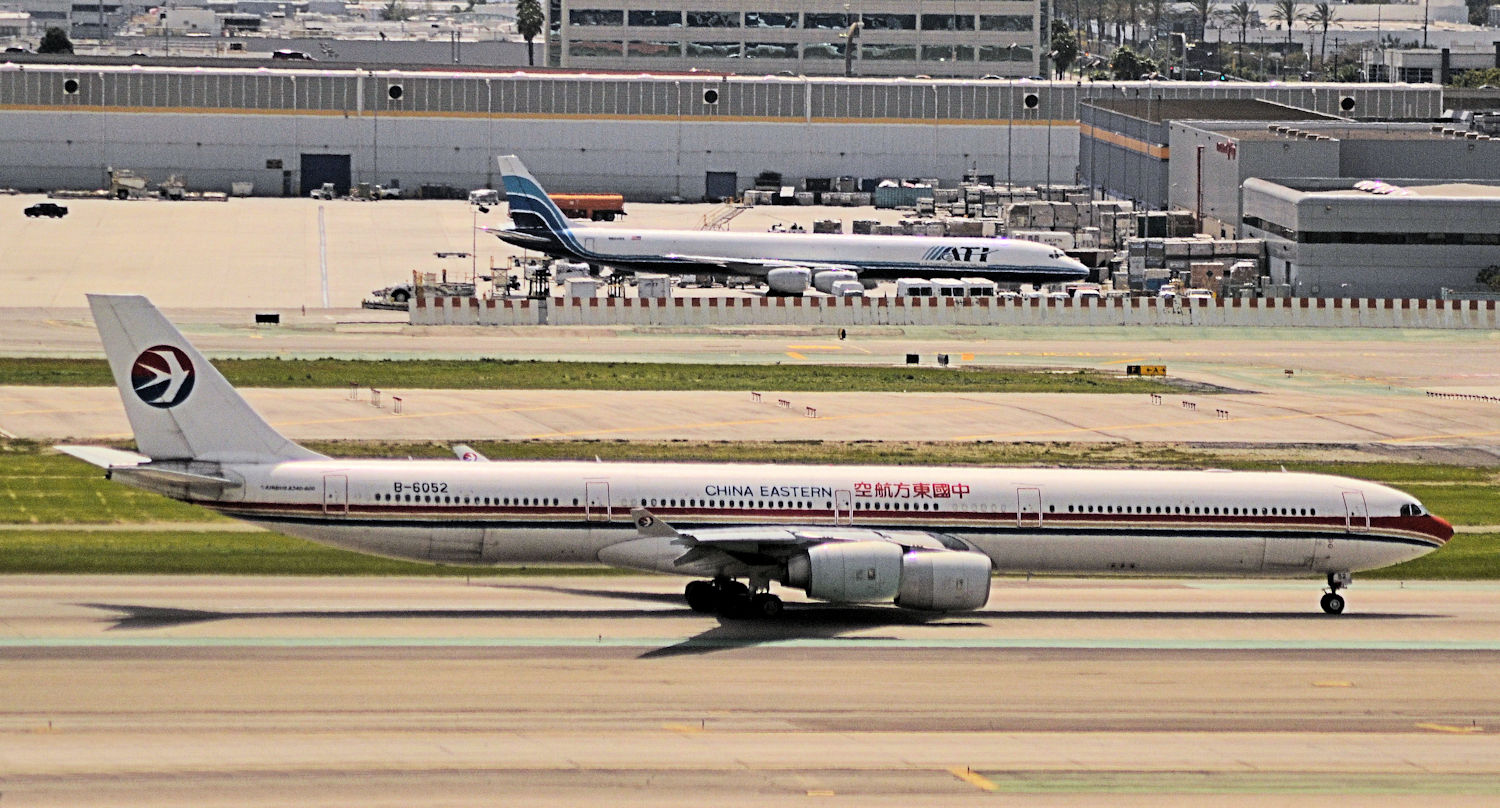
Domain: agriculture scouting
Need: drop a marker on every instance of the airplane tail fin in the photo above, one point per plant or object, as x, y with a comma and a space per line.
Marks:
180, 407
530, 208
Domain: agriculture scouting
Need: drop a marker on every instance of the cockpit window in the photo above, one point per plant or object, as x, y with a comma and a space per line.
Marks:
1411, 509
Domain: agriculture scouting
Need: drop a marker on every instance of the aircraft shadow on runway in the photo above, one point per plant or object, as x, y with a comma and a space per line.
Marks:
798, 622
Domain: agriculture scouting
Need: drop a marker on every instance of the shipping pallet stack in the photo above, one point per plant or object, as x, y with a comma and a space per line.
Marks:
1220, 265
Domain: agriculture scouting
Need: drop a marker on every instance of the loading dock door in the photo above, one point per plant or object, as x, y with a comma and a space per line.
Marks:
719, 185
320, 168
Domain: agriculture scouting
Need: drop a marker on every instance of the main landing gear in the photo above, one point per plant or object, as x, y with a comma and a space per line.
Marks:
1333, 602
731, 598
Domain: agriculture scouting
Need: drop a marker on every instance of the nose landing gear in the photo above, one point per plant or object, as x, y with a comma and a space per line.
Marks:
1333, 602
731, 598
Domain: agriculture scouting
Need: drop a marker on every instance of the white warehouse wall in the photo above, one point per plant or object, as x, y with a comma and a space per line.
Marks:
642, 159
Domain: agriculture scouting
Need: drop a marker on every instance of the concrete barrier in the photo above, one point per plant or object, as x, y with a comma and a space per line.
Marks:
896, 311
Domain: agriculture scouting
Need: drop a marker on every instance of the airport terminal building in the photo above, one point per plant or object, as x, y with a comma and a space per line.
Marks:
963, 38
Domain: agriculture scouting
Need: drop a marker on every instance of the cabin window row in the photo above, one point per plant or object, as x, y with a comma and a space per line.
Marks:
434, 499
1201, 510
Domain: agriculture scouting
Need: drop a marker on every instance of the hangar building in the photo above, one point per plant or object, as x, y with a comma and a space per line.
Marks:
1216, 158
1397, 238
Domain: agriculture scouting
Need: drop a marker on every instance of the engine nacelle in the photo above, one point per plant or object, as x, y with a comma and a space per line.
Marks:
788, 280
824, 281
869, 571
848, 572
944, 581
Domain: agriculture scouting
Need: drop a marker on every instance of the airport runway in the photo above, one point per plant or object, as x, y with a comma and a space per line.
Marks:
1389, 420
128, 691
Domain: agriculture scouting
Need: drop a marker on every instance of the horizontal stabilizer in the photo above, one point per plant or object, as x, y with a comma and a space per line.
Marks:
177, 477
103, 456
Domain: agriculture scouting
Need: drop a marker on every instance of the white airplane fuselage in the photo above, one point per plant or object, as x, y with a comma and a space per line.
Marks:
874, 257
1025, 520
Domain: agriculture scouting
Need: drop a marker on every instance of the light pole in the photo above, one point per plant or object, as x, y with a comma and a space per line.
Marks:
1010, 119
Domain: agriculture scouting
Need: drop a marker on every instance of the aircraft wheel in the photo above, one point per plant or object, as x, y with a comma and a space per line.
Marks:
766, 605
736, 605
1333, 603
702, 596
731, 588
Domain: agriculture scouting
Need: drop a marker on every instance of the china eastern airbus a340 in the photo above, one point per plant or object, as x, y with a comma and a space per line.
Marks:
925, 537
790, 263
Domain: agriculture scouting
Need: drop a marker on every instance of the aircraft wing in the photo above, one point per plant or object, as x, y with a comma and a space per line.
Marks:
757, 266
713, 551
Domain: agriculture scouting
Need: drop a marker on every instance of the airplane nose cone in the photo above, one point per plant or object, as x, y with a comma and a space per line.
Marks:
1439, 527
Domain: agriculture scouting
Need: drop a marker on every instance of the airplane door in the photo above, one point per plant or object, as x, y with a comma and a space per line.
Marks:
1028, 507
843, 507
596, 501
1356, 514
336, 494
588, 246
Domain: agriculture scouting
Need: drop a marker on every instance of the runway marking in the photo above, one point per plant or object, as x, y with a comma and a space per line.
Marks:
973, 778
685, 729
749, 421
1179, 423
383, 415
1265, 783
795, 355
1472, 729
854, 643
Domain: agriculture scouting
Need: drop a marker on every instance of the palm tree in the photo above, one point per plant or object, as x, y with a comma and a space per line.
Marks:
1322, 15
1155, 8
529, 22
1286, 11
1240, 15
1204, 9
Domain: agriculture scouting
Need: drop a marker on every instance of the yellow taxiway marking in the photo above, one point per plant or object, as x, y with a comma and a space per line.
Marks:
795, 355
1333, 684
685, 729
966, 357
815, 347
1469, 730
1449, 435
1122, 361
973, 778
820, 792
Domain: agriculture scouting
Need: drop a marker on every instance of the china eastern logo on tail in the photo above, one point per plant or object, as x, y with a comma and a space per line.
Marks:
162, 376
966, 255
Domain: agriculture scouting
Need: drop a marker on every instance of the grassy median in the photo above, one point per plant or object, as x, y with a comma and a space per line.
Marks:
59, 515
498, 374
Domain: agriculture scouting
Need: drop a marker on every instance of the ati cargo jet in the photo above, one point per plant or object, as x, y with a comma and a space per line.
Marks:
789, 263
922, 537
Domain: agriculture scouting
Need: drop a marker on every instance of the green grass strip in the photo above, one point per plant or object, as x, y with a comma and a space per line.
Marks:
494, 374
211, 553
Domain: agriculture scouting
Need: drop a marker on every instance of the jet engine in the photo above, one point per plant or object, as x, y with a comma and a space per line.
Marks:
788, 280
868, 571
824, 281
